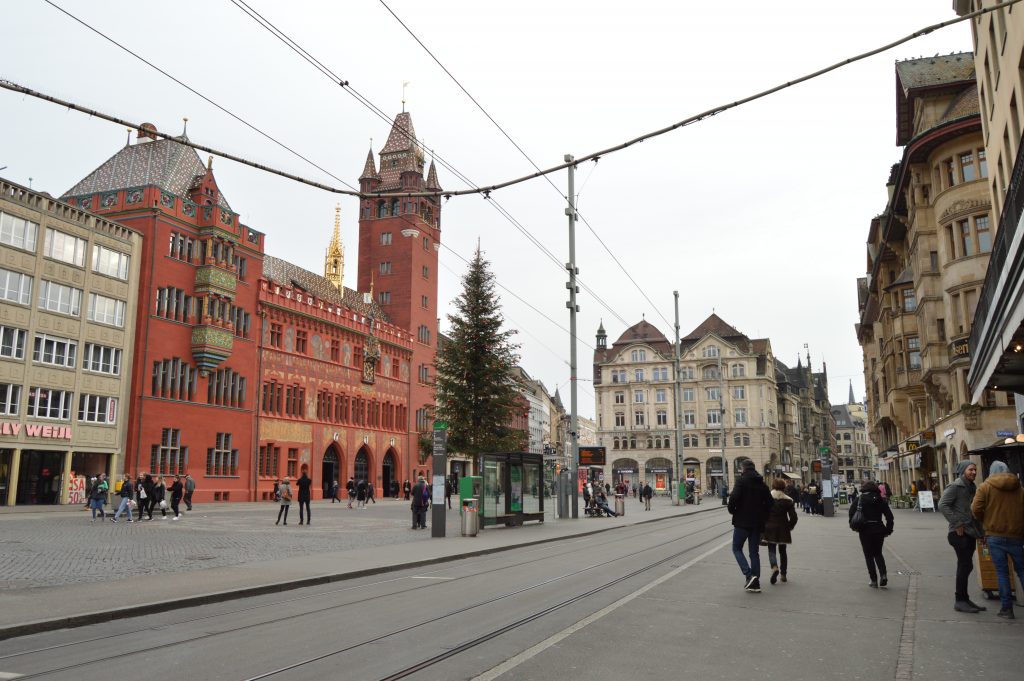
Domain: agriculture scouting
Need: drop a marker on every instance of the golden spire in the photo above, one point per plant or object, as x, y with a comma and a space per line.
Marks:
334, 259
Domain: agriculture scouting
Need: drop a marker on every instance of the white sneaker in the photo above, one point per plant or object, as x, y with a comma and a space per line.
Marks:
163, 518
174, 518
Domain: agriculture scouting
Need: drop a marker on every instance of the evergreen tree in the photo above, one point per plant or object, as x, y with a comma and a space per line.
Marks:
475, 391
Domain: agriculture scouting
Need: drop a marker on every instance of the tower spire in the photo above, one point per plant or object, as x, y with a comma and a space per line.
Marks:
334, 258
852, 400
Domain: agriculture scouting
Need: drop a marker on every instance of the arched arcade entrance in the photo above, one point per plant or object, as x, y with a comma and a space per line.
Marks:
388, 473
331, 469
362, 465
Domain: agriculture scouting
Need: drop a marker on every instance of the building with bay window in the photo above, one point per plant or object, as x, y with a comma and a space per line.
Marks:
69, 282
927, 255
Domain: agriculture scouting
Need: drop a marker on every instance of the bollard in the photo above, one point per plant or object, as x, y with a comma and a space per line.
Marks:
620, 504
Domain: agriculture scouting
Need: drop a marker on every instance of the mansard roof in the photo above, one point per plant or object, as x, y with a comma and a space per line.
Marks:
290, 275
928, 73
642, 332
164, 163
716, 325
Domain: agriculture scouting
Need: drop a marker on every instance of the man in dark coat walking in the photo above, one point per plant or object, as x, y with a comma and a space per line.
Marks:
749, 504
419, 504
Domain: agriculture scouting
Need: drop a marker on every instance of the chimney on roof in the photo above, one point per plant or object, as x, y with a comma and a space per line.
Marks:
146, 133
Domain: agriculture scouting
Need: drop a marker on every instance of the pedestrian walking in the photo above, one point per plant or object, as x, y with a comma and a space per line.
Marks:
98, 496
350, 487
874, 509
146, 495
159, 497
634, 490
176, 491
778, 530
361, 493
406, 489
127, 494
999, 505
749, 505
725, 494
277, 491
420, 499
647, 494
334, 492
448, 489
305, 485
964, 531
285, 494
395, 489
190, 488
370, 491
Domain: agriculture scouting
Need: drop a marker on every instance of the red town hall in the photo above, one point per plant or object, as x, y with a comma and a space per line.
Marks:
248, 368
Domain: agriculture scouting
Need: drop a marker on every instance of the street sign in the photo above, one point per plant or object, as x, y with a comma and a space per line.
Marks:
824, 450
1005, 433
804, 468
440, 425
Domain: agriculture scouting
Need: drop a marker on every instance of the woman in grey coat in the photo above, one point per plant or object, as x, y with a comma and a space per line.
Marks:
964, 531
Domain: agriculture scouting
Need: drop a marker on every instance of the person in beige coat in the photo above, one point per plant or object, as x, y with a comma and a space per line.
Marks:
999, 505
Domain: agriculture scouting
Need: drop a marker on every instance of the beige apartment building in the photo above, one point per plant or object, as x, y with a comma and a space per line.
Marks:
997, 337
927, 257
68, 289
726, 389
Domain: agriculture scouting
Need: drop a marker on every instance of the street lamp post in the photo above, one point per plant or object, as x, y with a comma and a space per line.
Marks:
678, 412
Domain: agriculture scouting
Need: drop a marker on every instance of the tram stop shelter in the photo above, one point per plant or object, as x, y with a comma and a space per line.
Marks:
513, 488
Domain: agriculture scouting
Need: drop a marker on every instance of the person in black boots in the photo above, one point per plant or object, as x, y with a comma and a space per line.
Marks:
305, 485
872, 532
420, 500
749, 505
285, 492
176, 490
964, 530
778, 531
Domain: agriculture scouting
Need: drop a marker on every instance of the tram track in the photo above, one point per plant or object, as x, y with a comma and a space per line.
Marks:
453, 651
278, 618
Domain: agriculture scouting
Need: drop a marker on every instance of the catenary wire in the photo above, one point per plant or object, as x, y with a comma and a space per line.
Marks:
9, 85
570, 204
377, 111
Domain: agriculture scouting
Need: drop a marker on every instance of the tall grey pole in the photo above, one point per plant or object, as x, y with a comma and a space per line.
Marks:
726, 479
678, 410
574, 451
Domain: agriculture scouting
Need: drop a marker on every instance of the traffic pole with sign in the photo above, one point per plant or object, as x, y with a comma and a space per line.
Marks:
440, 456
827, 493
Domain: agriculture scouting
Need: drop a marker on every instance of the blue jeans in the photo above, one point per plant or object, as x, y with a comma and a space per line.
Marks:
752, 537
1000, 548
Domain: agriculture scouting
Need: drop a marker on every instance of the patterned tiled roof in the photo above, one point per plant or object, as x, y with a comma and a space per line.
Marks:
287, 274
162, 163
369, 170
401, 153
966, 104
432, 182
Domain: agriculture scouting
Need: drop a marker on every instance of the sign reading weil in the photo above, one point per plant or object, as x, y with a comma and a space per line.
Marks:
35, 430
592, 456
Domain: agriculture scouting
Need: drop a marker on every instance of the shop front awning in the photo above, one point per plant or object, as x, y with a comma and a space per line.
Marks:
792, 476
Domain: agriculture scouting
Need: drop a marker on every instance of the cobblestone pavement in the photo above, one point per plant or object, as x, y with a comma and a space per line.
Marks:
60, 547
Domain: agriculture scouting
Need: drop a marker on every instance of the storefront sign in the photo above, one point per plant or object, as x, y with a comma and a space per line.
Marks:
1005, 433
960, 349
949, 433
76, 489
35, 430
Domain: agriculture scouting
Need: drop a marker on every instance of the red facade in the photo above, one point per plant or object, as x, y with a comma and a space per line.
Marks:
194, 371
334, 399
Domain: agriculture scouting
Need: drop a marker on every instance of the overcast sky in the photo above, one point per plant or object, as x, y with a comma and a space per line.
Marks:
760, 213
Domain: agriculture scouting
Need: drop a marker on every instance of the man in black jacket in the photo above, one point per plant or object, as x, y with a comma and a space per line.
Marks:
749, 505
305, 484
419, 504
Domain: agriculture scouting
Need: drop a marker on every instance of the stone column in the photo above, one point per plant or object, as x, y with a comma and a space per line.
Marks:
65, 478
12, 488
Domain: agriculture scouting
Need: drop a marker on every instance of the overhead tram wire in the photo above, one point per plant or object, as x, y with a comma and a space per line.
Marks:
365, 101
491, 118
199, 94
238, 118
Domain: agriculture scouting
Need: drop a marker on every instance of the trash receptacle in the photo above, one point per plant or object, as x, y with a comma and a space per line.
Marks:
620, 504
678, 496
470, 517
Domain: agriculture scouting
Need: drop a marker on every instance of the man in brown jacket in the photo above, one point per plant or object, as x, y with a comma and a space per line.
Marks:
999, 505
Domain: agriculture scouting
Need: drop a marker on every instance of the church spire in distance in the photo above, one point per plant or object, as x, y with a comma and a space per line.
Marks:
334, 259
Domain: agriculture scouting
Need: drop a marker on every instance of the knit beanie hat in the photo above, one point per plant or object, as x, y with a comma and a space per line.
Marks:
962, 466
998, 467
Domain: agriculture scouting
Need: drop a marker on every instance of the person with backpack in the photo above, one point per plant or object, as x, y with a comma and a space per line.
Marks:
98, 496
873, 509
647, 494
749, 504
964, 530
285, 492
190, 488
778, 530
361, 493
420, 501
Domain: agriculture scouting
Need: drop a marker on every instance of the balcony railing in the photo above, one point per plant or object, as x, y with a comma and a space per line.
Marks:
1008, 222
